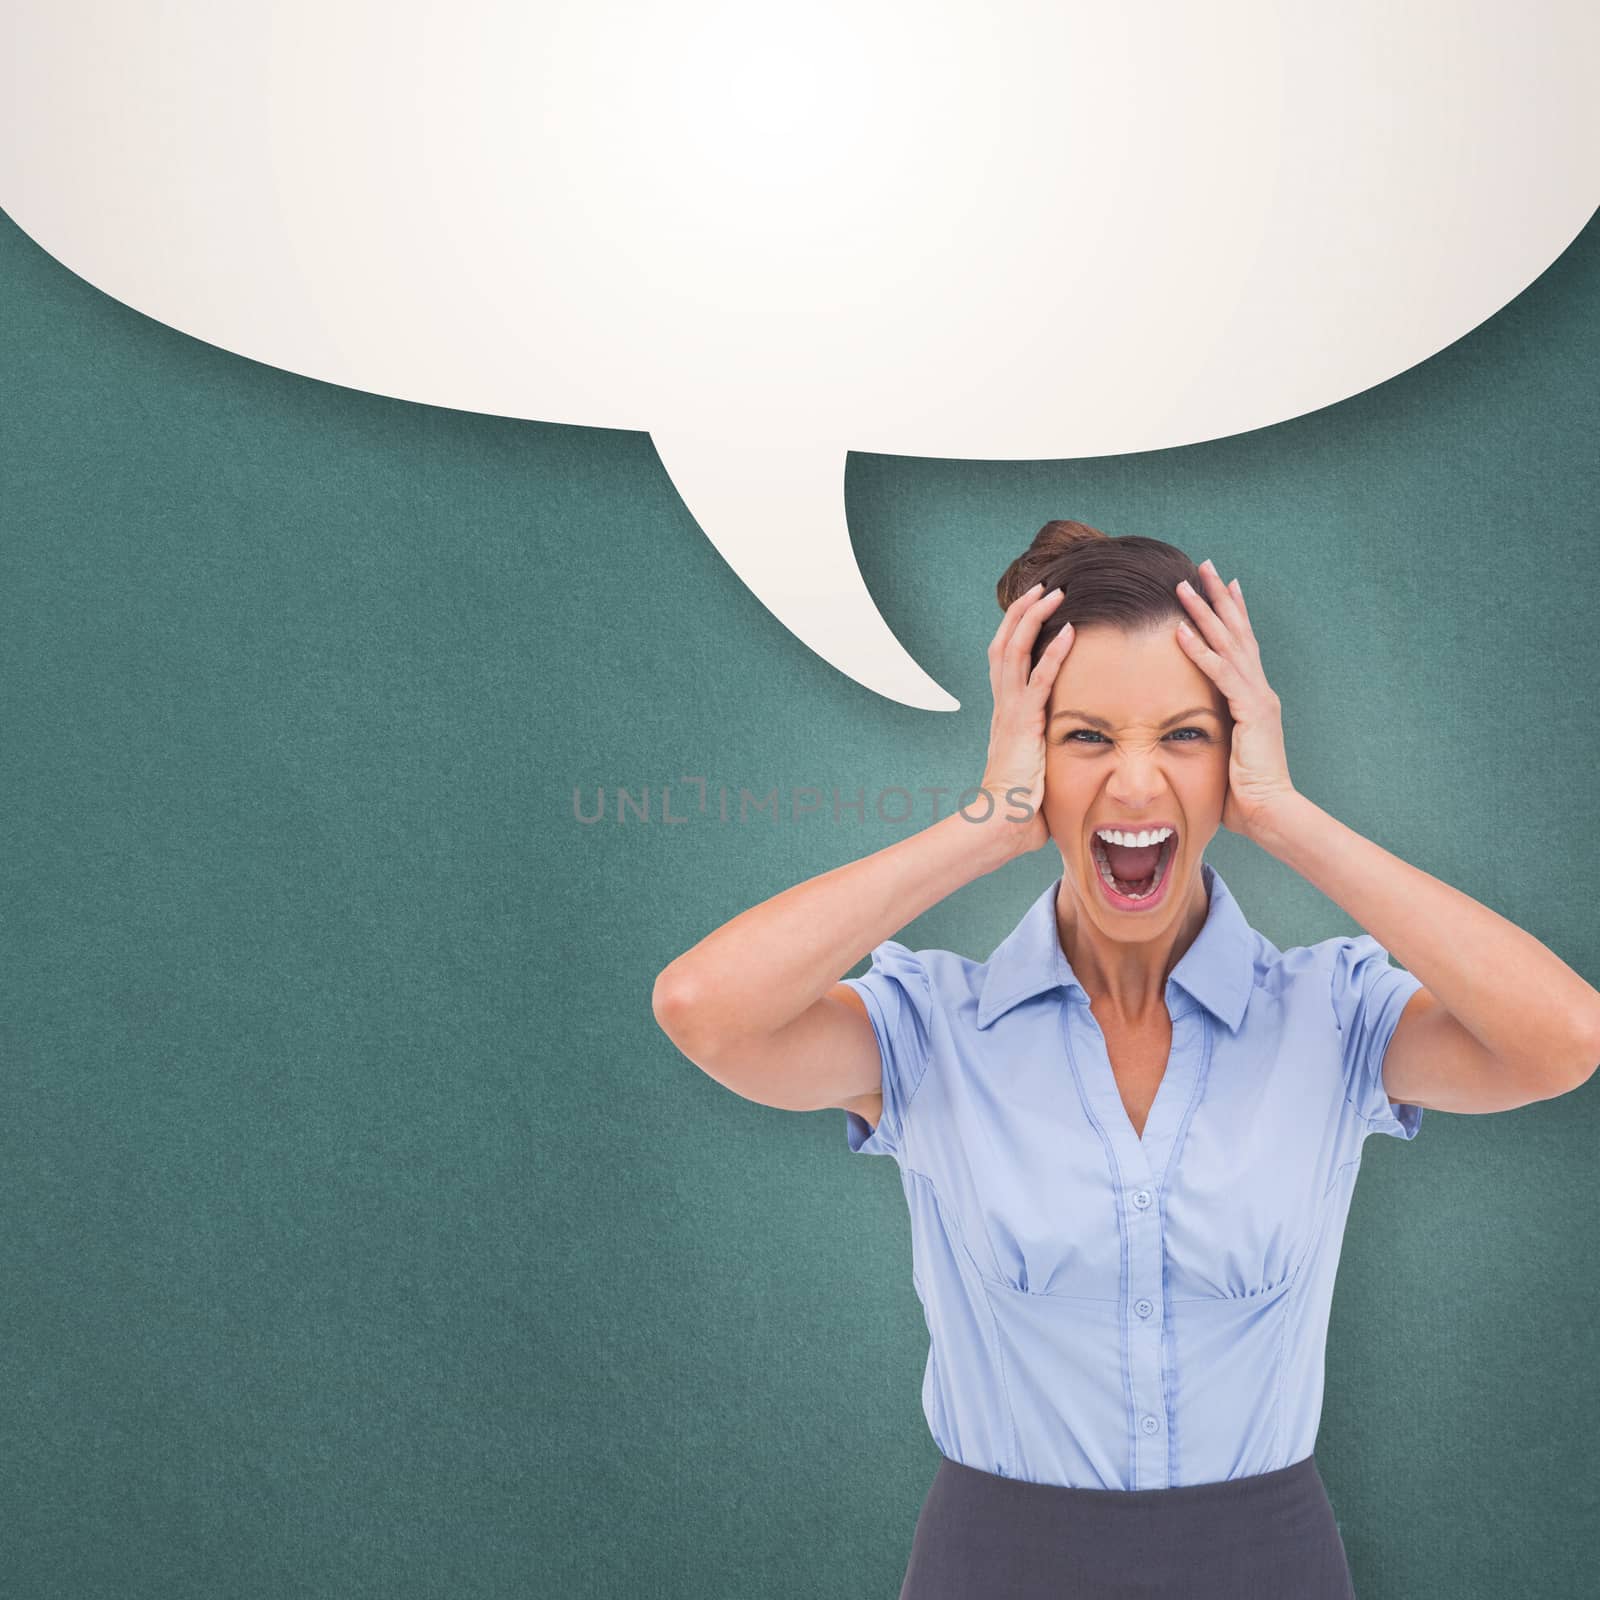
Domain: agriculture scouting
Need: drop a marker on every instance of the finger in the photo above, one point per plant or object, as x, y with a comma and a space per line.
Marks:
1008, 619
1043, 676
1222, 600
1002, 634
1211, 628
1227, 676
1019, 648
1020, 604
1230, 607
1244, 680
1237, 592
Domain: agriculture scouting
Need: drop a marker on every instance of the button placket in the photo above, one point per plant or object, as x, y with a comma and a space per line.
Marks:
1140, 1165
1151, 1468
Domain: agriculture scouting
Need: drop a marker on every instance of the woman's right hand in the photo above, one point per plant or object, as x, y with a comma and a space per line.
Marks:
1013, 774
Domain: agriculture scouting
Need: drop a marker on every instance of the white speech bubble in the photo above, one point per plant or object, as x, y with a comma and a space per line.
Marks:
769, 235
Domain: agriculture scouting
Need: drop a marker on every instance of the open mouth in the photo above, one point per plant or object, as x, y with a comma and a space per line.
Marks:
1133, 876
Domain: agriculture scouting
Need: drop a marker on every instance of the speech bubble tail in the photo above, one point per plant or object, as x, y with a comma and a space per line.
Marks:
775, 513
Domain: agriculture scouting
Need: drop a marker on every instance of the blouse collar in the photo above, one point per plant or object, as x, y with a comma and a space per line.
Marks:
1217, 970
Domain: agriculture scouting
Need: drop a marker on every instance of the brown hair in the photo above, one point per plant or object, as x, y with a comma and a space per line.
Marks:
1129, 582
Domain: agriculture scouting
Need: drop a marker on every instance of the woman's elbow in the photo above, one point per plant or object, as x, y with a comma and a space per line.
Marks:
678, 1004
669, 997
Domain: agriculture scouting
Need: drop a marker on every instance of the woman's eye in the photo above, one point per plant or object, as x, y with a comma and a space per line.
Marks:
1089, 734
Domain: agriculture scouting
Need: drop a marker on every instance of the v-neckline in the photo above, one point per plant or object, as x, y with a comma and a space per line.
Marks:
1166, 1075
1143, 1154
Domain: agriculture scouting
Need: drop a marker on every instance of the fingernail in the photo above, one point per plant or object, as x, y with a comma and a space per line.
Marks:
1185, 630
1186, 586
1208, 565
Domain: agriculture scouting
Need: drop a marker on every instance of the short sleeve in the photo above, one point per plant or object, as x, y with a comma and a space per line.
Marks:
1368, 996
899, 1000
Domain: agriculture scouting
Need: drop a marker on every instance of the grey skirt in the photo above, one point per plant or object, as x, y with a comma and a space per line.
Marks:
1267, 1537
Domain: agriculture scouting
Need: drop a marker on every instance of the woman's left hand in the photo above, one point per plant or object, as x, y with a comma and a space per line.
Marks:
1225, 650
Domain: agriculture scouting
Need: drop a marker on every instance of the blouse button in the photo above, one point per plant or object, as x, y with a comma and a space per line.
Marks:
1143, 1307
1141, 1198
1149, 1424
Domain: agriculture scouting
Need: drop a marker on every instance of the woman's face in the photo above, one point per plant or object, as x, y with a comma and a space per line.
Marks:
1135, 735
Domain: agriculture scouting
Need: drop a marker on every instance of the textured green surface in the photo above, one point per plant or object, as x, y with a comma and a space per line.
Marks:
363, 1235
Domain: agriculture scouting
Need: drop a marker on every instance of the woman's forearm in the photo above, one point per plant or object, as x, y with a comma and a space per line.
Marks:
759, 971
1513, 994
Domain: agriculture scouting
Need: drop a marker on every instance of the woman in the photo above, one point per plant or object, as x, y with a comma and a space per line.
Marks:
1129, 1139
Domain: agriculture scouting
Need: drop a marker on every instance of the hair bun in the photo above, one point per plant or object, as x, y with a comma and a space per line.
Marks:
1054, 537
1050, 543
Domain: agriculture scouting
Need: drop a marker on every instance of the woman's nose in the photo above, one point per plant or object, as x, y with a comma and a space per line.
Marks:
1138, 781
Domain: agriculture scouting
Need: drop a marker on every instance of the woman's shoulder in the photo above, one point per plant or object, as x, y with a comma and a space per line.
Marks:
939, 976
1319, 955
1323, 968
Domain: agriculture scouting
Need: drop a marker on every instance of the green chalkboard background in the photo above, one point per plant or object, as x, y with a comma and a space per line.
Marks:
362, 1234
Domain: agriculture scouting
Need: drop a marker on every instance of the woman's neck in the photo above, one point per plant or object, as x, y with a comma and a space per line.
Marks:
1126, 979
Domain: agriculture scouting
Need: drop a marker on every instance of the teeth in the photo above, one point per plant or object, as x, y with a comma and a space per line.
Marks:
1150, 836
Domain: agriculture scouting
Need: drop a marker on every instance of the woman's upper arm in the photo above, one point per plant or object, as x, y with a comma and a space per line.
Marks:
863, 1046
864, 1095
824, 1057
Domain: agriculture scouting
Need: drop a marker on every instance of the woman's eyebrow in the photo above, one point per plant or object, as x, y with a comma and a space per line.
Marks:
1100, 722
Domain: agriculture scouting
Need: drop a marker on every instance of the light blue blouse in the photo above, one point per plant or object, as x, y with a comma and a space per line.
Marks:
1107, 1311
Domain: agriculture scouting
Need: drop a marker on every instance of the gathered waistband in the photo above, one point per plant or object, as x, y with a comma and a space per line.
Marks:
1259, 1486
